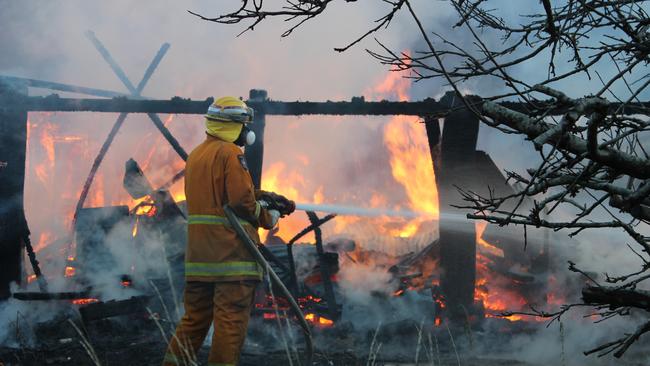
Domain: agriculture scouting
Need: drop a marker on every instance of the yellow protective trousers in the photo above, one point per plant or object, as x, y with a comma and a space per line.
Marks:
228, 305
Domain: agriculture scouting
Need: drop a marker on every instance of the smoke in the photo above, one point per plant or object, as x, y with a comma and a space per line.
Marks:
20, 318
562, 342
205, 59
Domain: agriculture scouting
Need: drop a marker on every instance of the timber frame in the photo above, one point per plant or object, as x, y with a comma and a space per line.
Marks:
453, 151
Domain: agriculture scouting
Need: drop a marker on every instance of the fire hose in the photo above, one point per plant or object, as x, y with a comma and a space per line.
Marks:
252, 246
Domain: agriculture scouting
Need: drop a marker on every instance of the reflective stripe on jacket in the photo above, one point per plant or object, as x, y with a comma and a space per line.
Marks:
224, 269
216, 174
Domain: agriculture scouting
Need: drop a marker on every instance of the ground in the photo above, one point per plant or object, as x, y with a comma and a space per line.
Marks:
137, 342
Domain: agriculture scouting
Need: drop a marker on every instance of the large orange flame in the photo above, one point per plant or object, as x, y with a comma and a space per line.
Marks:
410, 157
410, 163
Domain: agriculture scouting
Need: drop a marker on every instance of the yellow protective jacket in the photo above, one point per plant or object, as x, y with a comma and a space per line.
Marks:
216, 173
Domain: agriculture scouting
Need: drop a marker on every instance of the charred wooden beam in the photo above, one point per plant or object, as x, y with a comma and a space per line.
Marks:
48, 296
178, 105
432, 125
255, 152
102, 310
85, 189
457, 238
326, 275
136, 91
13, 228
42, 84
311, 227
134, 181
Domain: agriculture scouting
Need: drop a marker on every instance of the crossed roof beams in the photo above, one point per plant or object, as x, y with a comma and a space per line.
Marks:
135, 92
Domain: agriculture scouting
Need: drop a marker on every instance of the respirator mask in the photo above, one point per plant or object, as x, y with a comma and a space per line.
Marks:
246, 137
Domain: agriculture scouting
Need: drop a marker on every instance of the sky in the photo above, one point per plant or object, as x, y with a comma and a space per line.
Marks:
47, 42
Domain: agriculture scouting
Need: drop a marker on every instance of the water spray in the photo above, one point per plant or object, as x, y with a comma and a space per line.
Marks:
359, 211
377, 212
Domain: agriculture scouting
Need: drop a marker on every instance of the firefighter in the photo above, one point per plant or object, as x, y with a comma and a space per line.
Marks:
220, 273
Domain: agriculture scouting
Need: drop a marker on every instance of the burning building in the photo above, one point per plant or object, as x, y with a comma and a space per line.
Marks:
125, 249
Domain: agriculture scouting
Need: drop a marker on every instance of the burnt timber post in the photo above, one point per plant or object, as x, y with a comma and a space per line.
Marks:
457, 237
432, 125
255, 153
13, 144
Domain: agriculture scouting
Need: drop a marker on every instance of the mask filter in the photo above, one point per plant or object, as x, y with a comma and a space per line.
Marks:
250, 137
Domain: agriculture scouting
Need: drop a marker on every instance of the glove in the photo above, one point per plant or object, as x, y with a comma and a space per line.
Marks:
288, 205
278, 202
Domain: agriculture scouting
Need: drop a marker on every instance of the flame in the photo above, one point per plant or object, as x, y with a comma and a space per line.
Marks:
497, 294
411, 167
497, 299
45, 169
69, 271
555, 295
44, 239
411, 163
319, 320
59, 156
178, 194
290, 183
96, 195
394, 87
134, 232
85, 301
484, 245
325, 322
146, 209
410, 156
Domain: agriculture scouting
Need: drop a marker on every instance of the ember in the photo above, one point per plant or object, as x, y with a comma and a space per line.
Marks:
319, 320
69, 271
85, 301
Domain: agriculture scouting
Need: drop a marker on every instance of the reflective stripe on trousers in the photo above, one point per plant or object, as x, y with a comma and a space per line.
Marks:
211, 220
221, 269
